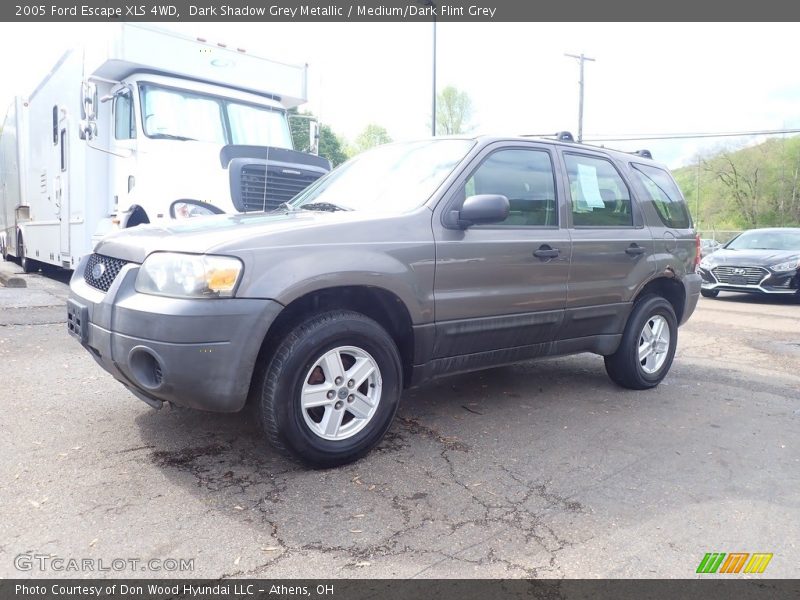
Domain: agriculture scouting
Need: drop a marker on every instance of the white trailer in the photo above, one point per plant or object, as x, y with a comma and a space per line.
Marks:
146, 126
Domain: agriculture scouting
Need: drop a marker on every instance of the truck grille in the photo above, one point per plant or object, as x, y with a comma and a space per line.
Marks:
281, 185
101, 271
739, 275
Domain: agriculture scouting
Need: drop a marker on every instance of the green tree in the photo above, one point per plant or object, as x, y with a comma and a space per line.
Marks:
453, 111
756, 186
372, 135
331, 145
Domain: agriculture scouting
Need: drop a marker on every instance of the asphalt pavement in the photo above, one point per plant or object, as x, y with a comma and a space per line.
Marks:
544, 469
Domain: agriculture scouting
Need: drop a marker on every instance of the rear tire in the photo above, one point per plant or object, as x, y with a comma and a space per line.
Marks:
648, 345
709, 293
28, 265
332, 388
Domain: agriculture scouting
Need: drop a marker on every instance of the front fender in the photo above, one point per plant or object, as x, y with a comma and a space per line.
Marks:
405, 269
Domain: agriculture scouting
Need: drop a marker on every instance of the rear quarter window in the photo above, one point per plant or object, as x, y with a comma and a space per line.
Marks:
663, 192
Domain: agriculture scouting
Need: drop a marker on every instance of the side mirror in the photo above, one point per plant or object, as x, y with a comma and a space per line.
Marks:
482, 210
313, 137
88, 125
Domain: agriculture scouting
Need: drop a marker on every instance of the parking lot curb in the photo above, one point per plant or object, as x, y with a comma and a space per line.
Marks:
9, 278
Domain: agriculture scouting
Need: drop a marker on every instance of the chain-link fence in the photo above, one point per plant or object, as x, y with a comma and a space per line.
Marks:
721, 236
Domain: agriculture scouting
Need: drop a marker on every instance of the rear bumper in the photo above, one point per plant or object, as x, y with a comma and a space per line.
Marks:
691, 286
192, 352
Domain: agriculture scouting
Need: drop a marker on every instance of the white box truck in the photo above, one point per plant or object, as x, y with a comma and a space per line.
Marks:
144, 126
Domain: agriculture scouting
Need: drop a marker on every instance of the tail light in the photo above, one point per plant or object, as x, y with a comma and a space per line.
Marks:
697, 248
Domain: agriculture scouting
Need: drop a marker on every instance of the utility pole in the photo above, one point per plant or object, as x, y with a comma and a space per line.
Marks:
581, 59
434, 7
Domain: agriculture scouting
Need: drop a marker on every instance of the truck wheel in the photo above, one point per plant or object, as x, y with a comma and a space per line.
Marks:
648, 345
709, 293
331, 389
28, 265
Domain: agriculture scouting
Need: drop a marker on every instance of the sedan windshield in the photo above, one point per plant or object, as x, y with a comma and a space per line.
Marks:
765, 239
169, 113
391, 178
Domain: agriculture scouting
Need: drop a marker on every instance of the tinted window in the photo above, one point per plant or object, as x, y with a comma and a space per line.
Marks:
600, 197
666, 196
525, 177
124, 128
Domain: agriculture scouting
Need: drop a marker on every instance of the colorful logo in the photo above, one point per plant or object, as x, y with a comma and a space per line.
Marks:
734, 562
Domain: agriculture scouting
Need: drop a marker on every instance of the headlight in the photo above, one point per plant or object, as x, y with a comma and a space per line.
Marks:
707, 263
189, 275
789, 265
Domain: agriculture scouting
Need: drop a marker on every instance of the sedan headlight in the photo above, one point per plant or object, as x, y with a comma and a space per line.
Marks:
789, 265
189, 275
707, 263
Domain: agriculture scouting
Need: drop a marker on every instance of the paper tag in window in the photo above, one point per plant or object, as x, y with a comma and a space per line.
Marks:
590, 188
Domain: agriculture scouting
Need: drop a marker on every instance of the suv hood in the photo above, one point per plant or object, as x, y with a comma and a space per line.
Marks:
751, 258
220, 233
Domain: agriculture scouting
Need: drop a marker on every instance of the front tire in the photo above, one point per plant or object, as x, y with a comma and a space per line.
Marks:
709, 293
332, 388
648, 345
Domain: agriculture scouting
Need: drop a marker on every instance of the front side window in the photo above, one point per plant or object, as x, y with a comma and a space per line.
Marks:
170, 113
124, 124
526, 178
665, 195
600, 197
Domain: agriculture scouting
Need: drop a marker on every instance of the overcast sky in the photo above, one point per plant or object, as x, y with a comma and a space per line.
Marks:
648, 78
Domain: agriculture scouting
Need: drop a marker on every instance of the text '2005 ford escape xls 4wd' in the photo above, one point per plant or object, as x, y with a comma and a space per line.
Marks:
411, 261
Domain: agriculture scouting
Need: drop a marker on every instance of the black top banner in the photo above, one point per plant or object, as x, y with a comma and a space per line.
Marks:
398, 10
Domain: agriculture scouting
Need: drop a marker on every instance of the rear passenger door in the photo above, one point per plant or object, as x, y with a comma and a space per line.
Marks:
612, 249
503, 285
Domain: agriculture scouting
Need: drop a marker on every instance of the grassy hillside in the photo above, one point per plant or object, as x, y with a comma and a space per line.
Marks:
750, 187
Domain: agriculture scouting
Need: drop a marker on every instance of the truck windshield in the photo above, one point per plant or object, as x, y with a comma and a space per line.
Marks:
391, 178
170, 113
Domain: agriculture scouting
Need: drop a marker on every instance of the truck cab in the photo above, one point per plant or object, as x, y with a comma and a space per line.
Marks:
178, 149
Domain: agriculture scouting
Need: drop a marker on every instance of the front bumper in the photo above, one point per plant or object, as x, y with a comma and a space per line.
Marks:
767, 282
197, 353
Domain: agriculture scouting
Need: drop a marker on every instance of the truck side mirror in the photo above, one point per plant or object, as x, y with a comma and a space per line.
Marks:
313, 137
88, 127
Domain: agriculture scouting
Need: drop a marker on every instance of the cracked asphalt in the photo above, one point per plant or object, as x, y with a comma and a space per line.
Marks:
544, 469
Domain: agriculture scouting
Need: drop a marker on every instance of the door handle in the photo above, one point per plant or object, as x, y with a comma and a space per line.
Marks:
546, 251
634, 250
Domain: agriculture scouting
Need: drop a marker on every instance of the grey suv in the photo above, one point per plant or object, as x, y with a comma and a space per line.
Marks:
411, 261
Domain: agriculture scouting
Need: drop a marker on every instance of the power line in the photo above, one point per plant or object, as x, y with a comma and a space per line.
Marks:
688, 136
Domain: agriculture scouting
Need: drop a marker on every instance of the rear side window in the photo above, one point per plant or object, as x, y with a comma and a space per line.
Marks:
526, 178
665, 195
600, 197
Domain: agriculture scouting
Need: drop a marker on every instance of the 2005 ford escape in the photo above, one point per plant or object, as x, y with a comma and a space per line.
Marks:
411, 261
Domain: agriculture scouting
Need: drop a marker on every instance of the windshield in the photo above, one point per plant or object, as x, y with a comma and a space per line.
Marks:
766, 240
391, 178
180, 114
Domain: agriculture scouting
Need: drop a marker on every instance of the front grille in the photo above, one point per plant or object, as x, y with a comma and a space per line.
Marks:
739, 275
281, 185
102, 270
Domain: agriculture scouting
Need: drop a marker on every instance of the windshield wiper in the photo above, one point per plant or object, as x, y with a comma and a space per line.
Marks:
171, 136
326, 206
285, 207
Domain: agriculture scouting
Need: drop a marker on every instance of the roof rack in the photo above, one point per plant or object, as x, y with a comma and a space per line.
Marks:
561, 136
